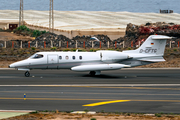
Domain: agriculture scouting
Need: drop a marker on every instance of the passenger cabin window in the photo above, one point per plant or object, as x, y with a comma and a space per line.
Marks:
67, 57
80, 57
60, 57
73, 57
37, 56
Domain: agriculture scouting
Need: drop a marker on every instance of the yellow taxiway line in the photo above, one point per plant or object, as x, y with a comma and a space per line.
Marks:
117, 101
107, 102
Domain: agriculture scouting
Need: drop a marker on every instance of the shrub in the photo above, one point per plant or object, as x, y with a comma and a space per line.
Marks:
35, 112
110, 49
28, 29
128, 114
175, 50
168, 50
33, 33
93, 118
73, 49
45, 111
33, 48
91, 50
53, 48
42, 32
102, 111
67, 49
158, 115
81, 50
22, 27
36, 33
86, 110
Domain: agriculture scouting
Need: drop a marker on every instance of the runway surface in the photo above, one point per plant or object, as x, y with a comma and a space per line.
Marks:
126, 90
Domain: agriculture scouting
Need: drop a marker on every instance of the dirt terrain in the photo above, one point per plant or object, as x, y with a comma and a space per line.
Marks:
6, 36
97, 116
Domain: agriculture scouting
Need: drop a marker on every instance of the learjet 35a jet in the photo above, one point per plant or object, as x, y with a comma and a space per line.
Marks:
151, 51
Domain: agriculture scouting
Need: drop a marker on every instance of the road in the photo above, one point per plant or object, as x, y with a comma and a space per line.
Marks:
126, 90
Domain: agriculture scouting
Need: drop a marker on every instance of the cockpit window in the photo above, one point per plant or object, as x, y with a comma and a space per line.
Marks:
36, 56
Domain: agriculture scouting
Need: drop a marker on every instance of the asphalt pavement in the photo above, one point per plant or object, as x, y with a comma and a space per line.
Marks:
126, 90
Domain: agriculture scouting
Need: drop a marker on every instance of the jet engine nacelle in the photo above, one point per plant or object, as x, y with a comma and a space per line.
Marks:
112, 56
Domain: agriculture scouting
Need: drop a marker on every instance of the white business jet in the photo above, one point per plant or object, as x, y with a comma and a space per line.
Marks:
151, 51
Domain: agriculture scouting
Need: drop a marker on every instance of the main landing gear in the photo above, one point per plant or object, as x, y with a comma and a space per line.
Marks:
93, 73
27, 73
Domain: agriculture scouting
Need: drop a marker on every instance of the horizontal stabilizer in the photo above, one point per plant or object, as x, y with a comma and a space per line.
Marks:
153, 59
161, 37
99, 67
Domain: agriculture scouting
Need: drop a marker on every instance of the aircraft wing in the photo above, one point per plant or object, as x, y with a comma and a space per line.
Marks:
99, 67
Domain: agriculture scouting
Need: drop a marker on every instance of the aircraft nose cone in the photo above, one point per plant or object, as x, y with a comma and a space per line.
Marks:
11, 66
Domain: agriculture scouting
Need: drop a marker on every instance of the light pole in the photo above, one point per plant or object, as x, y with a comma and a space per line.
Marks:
21, 17
51, 17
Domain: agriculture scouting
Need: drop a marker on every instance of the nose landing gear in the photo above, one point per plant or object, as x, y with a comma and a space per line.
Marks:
27, 73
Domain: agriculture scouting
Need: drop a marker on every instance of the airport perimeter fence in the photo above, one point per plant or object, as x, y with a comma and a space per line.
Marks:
77, 44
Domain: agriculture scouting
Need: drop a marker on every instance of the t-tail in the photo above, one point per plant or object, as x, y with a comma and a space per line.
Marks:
151, 50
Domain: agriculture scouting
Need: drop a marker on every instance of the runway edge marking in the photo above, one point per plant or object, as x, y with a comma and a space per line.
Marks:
91, 85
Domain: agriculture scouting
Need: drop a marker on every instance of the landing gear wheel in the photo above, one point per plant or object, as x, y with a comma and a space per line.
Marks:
27, 74
92, 73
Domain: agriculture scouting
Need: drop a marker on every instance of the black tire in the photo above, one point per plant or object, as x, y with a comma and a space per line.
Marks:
27, 74
92, 73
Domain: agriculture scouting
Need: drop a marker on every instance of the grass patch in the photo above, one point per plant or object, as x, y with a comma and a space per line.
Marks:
158, 115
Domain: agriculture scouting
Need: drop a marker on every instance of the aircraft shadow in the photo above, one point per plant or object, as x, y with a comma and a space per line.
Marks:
103, 76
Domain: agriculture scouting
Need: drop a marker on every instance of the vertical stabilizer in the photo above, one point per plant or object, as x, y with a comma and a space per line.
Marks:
154, 45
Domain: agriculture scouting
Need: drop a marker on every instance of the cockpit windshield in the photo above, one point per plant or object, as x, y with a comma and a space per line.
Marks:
36, 56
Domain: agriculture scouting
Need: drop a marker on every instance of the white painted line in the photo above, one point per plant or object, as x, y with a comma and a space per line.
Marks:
149, 114
7, 69
150, 68
93, 85
11, 77
83, 112
22, 111
78, 112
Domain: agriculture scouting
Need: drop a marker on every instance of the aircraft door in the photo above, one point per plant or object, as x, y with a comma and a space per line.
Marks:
52, 61
101, 56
